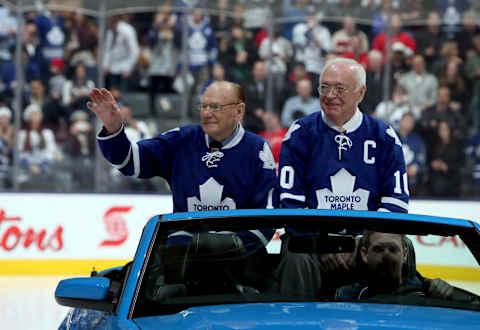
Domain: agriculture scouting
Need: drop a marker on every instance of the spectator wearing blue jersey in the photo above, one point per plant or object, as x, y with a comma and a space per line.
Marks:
473, 155
414, 151
342, 159
52, 35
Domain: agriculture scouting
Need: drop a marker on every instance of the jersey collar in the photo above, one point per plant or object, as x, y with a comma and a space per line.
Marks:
349, 126
232, 140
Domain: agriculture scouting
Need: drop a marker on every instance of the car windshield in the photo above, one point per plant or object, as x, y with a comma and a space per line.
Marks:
193, 263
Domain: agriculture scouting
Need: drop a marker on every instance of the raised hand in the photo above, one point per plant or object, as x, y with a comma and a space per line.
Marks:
106, 108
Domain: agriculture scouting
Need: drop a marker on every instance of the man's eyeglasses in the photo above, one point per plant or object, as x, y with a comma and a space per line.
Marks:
214, 107
338, 90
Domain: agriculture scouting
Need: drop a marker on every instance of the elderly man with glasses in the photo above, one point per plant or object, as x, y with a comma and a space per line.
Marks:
216, 165
341, 159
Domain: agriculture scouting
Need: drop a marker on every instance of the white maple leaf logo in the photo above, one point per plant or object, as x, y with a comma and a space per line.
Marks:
210, 198
267, 157
342, 196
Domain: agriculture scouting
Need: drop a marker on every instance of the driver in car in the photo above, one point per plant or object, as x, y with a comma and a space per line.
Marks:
385, 257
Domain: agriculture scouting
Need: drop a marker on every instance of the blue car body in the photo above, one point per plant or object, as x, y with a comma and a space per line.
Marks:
269, 315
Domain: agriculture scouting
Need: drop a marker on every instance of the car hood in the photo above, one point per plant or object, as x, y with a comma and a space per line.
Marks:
333, 315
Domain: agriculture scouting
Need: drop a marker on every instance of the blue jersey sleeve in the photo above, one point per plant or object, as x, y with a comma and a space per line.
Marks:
143, 159
394, 181
292, 168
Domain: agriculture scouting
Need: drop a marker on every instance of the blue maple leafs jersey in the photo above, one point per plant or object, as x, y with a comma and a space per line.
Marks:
362, 168
240, 175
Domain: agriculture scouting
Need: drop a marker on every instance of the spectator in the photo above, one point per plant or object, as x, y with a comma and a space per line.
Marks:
75, 90
163, 57
312, 41
218, 74
459, 93
82, 37
472, 70
393, 110
473, 156
8, 75
6, 145
304, 103
8, 33
37, 146
295, 12
221, 22
274, 133
354, 51
421, 86
79, 150
255, 95
442, 111
240, 54
471, 27
375, 78
380, 18
396, 35
52, 35
449, 52
202, 48
277, 52
54, 115
121, 53
297, 72
451, 13
36, 93
430, 39
57, 79
135, 130
341, 38
400, 61
445, 159
414, 151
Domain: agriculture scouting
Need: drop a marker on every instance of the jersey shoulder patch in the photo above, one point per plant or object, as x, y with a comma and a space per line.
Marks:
391, 132
267, 157
290, 131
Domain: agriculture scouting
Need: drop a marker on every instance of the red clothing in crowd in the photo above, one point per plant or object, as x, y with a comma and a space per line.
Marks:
380, 42
275, 141
361, 58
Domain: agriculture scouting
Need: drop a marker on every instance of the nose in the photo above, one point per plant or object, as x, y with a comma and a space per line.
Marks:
331, 91
206, 113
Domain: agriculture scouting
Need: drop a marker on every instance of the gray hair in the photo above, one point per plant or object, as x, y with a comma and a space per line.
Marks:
357, 68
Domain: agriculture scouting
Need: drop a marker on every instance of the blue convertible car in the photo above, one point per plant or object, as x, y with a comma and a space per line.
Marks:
317, 269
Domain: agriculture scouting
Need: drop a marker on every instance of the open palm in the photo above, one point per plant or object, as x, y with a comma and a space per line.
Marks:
106, 108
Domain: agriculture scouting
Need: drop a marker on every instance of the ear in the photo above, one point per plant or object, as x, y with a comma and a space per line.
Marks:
405, 254
240, 111
363, 252
361, 94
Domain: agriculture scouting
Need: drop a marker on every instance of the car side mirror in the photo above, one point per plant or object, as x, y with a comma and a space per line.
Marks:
85, 292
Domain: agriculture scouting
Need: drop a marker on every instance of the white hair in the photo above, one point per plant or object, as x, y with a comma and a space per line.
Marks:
357, 68
5, 111
31, 108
